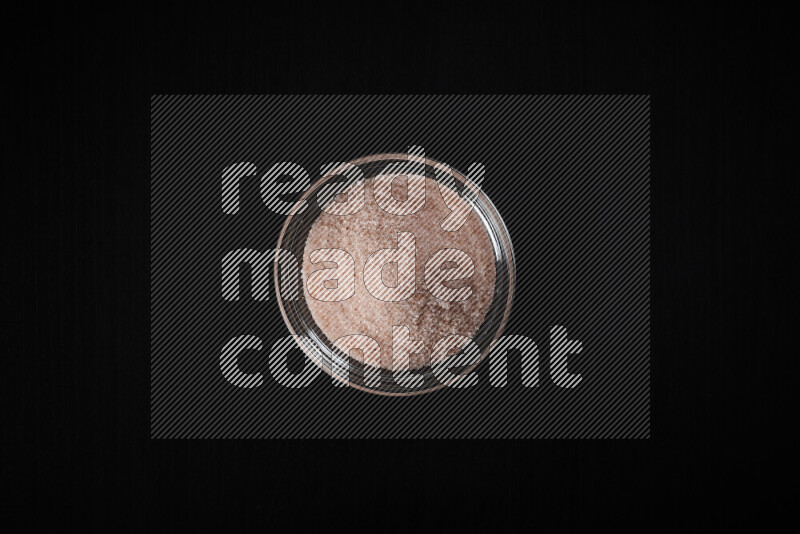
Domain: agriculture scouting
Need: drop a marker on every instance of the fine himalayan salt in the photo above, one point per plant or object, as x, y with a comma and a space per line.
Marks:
428, 318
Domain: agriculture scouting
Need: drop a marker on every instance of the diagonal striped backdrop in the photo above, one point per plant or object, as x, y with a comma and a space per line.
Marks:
569, 174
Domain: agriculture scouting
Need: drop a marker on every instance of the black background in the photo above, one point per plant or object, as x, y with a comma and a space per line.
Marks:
87, 75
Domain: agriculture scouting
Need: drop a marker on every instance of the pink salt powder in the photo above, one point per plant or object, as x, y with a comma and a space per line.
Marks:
428, 318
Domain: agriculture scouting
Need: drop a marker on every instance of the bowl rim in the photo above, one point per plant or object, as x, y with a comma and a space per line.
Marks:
497, 220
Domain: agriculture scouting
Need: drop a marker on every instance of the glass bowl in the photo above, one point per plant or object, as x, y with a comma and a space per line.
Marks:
321, 350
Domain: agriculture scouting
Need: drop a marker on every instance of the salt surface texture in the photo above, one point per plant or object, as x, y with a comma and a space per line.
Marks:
428, 318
